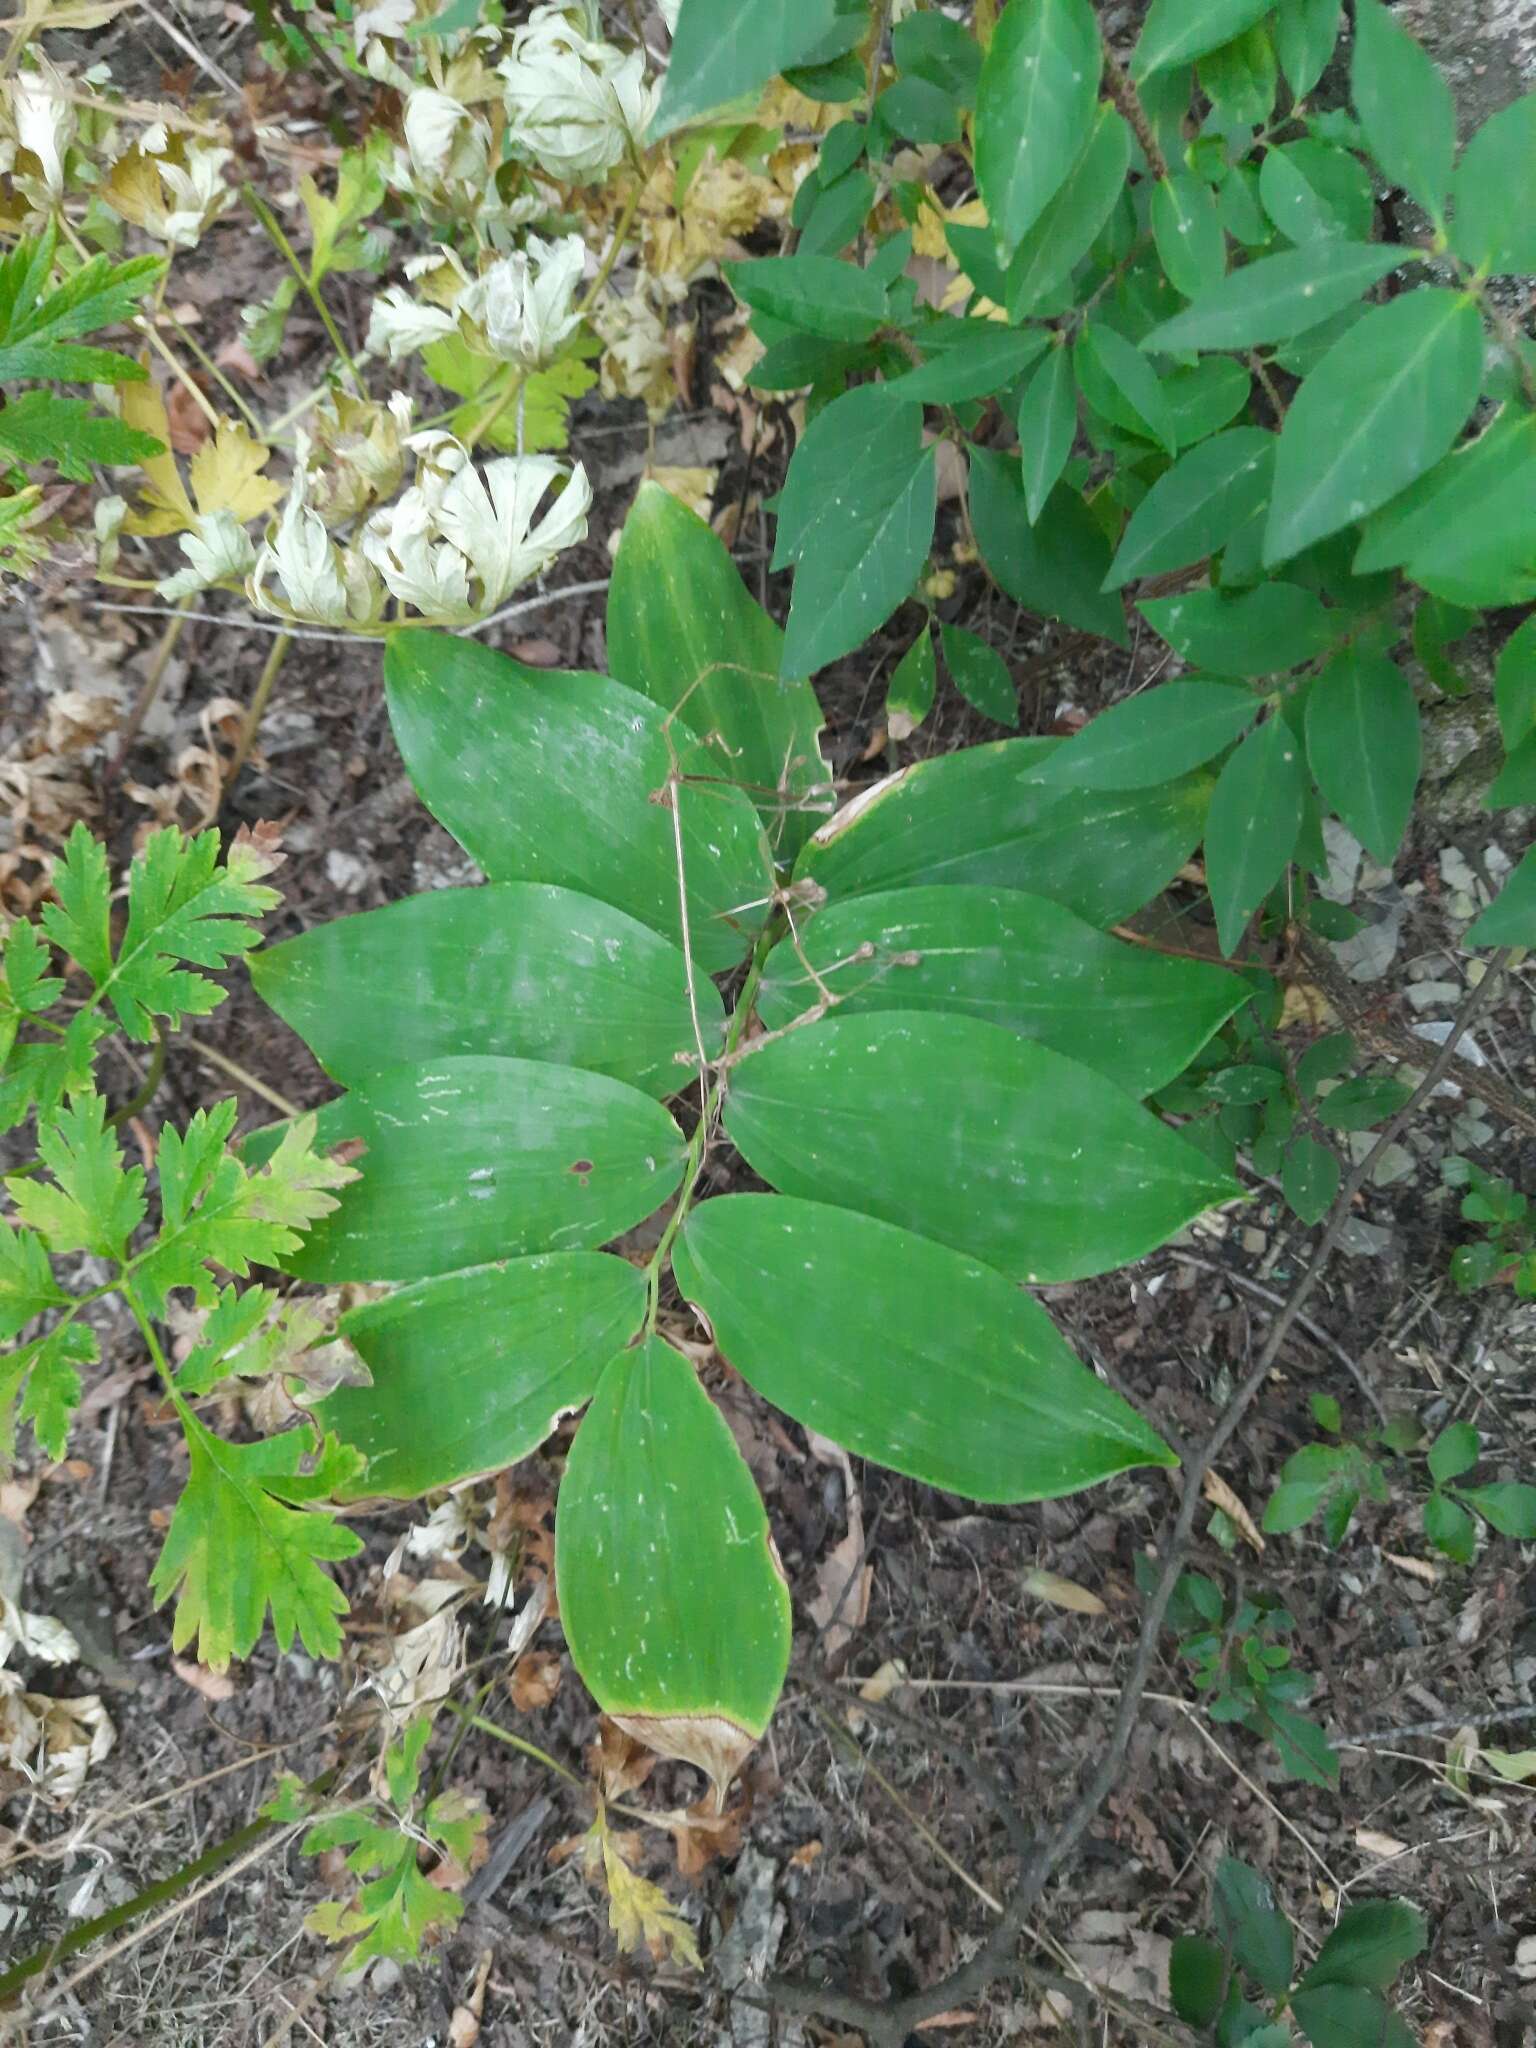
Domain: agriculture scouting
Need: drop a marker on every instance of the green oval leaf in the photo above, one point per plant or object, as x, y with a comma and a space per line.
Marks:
1467, 529
515, 968
904, 1351
1055, 565
1349, 2016
978, 359
1493, 227
1248, 1920
1195, 509
1256, 813
1155, 736
993, 814
1363, 747
1047, 428
683, 629
472, 1371
813, 294
472, 1159
1277, 297
1072, 220
1510, 919
1387, 401
1034, 108
909, 699
980, 674
1186, 226
1178, 31
725, 49
1370, 1944
672, 1597
1134, 1016
1022, 1157
547, 777
1405, 107
1197, 1978
1255, 633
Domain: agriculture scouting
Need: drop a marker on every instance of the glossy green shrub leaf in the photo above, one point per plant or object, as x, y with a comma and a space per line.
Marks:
1257, 632
1118, 381
1510, 919
515, 968
724, 49
473, 1370
904, 1351
816, 294
1384, 404
1135, 1016
474, 1158
1514, 685
944, 52
1313, 192
1177, 31
994, 815
1493, 226
1156, 736
683, 628
672, 1597
1305, 32
1034, 108
545, 777
1189, 235
1047, 428
1349, 2016
1206, 396
1055, 564
919, 111
1363, 747
1277, 296
994, 1164
1467, 529
1256, 813
1241, 77
978, 358
1248, 1920
1197, 1978
1404, 105
909, 699
980, 674
1194, 510
1073, 218
1309, 1175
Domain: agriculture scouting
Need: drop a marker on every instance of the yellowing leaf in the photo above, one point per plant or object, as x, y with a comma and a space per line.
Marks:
226, 475
639, 1911
1062, 1592
165, 506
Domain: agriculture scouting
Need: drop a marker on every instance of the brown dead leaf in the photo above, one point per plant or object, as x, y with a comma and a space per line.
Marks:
840, 1604
807, 1853
880, 1685
213, 1685
535, 1680
1220, 1495
537, 653
188, 422
1306, 1004
1416, 1567
700, 1835
1062, 1592
234, 355
1375, 1844
617, 1761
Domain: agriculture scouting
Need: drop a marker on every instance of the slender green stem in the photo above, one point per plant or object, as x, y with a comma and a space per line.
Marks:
276, 656
154, 1075
284, 248
530, 1749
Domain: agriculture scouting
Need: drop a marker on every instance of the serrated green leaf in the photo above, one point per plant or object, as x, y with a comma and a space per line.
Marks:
39, 319
1405, 107
1197, 1978
1363, 747
1258, 1933
45, 1375
43, 1074
1492, 226
885, 1341
980, 674
70, 432
243, 1540
1047, 428
1454, 1451
1192, 511
1034, 109
1256, 813
92, 1203
1135, 1016
1507, 1506
1450, 1528
1384, 404
26, 982
1277, 296
690, 1655
1349, 2016
1032, 1161
27, 1285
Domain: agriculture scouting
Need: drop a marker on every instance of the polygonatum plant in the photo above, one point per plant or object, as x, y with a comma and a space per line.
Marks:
910, 1022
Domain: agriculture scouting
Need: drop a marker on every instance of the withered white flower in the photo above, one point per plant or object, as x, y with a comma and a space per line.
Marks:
217, 548
444, 139
526, 302
575, 102
359, 456
388, 18
45, 121
398, 325
322, 582
170, 187
459, 541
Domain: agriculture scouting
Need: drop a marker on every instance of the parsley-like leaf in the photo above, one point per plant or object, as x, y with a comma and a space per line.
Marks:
184, 906
243, 1539
45, 1375
218, 1213
94, 1203
27, 1285
44, 1073
70, 431
38, 323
